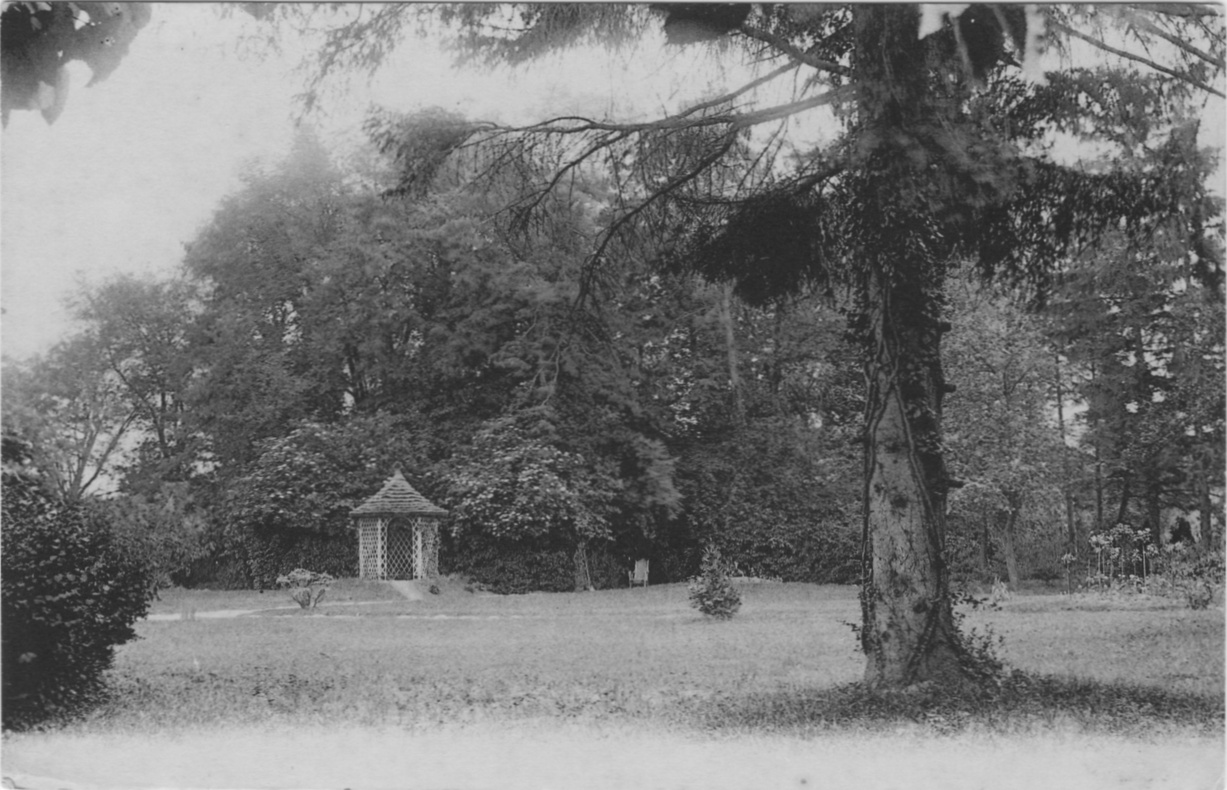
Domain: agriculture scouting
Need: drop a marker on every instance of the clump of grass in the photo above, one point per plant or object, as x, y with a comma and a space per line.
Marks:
1020, 702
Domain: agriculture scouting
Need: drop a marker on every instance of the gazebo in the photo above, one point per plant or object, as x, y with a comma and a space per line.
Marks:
398, 533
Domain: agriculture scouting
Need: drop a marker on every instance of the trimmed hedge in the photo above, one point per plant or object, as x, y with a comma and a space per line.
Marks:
510, 569
514, 570
70, 595
269, 554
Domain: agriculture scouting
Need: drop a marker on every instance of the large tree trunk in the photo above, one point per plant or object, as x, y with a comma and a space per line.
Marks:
908, 630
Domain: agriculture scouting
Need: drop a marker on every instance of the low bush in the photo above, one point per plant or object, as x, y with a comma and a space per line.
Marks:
70, 595
306, 587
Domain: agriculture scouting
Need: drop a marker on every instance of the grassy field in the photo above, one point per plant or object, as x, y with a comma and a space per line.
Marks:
1115, 690
464, 657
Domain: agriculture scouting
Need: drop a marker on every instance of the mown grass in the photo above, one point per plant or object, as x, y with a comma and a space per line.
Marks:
179, 601
787, 662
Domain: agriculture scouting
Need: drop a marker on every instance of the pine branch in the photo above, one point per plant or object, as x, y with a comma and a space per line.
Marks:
1137, 59
1150, 27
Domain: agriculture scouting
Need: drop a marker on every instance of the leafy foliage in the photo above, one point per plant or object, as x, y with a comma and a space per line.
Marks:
313, 476
166, 529
73, 411
1003, 443
140, 332
40, 39
70, 595
514, 485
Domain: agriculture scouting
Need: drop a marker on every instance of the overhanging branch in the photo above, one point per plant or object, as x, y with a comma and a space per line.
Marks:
1153, 29
793, 52
1137, 59
673, 185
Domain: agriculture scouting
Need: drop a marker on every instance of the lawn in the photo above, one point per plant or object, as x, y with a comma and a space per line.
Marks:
463, 656
464, 689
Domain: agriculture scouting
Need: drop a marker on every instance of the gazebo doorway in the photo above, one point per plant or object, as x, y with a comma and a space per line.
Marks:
398, 533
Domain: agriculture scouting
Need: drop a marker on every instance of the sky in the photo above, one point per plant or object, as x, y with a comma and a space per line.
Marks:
136, 164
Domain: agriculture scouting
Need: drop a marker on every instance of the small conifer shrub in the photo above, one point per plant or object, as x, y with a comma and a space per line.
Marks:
712, 591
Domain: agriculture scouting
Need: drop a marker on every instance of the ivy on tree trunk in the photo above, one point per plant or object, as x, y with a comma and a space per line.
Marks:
908, 631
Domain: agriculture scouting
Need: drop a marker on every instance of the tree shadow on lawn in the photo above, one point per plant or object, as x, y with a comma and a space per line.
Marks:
1019, 703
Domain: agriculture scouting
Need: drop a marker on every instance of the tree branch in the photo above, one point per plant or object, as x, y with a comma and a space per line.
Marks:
728, 97
1136, 58
1152, 28
798, 55
1183, 10
673, 185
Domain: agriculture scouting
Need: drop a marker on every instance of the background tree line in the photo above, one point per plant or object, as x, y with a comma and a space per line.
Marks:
322, 333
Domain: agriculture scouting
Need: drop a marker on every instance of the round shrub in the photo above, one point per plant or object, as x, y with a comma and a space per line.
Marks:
70, 595
712, 592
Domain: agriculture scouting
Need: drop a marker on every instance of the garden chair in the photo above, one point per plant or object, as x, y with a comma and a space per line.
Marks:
640, 574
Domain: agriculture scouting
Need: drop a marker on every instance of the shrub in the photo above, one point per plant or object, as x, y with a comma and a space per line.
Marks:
306, 587
70, 595
711, 592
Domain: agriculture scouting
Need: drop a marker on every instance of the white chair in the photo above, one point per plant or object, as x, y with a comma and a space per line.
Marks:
640, 574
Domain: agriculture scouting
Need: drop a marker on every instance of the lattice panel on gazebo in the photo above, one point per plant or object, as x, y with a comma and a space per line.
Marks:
370, 549
404, 549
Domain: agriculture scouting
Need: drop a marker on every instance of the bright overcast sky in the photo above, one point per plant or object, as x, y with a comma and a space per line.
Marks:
135, 165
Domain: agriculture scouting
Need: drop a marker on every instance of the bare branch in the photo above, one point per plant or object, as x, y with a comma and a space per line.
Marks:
784, 110
1152, 28
681, 121
1137, 59
1183, 10
728, 97
798, 55
604, 143
673, 185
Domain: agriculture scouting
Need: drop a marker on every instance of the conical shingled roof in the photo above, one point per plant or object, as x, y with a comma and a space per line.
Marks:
398, 498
